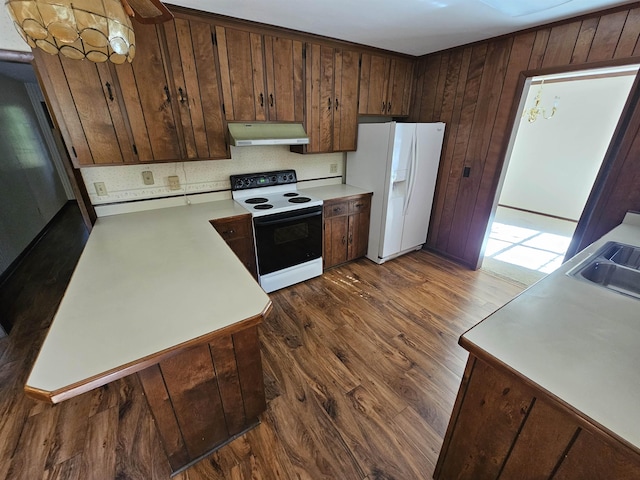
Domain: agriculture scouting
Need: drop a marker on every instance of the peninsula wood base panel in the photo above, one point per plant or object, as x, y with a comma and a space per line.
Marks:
205, 396
503, 428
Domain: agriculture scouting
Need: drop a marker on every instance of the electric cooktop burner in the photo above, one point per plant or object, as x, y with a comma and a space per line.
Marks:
256, 200
299, 200
263, 206
291, 194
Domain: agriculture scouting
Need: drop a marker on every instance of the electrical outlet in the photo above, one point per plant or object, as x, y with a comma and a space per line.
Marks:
174, 182
333, 168
101, 189
147, 177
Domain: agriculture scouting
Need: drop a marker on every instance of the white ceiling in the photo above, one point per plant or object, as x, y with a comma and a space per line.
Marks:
414, 27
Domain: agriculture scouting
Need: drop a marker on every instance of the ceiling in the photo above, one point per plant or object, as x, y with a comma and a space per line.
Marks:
414, 27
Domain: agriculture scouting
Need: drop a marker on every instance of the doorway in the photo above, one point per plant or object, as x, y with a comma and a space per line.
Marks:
560, 138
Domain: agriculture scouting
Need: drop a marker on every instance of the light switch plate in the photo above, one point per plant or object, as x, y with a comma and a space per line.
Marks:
174, 182
147, 177
333, 168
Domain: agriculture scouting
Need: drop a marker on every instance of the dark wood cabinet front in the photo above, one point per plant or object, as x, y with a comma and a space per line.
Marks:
261, 76
385, 86
238, 233
346, 229
196, 87
503, 428
332, 81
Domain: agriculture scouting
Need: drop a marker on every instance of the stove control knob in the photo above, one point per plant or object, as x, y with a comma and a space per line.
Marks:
290, 176
239, 183
274, 178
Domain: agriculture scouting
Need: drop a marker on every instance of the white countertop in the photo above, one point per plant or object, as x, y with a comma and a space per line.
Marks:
576, 340
329, 192
146, 282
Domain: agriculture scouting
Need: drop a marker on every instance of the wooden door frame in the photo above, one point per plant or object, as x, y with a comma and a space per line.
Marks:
587, 230
74, 175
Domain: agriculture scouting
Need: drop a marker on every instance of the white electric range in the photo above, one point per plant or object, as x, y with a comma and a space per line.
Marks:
287, 227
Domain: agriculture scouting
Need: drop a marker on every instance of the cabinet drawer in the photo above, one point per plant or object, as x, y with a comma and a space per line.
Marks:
359, 205
230, 229
336, 209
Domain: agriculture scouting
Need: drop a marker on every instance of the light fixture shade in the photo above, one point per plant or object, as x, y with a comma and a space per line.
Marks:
98, 30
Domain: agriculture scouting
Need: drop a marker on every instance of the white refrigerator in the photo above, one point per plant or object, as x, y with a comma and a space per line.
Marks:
399, 163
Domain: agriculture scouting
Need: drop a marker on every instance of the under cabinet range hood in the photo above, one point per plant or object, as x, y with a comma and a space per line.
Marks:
247, 134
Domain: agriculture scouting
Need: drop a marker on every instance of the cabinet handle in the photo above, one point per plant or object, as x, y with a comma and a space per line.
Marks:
108, 85
229, 231
336, 103
389, 107
384, 106
337, 209
182, 96
358, 205
350, 238
344, 239
168, 95
329, 104
271, 99
261, 100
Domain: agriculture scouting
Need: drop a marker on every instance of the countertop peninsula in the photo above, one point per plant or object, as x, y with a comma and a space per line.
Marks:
147, 283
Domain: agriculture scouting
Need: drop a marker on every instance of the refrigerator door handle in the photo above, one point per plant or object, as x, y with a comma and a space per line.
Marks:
412, 170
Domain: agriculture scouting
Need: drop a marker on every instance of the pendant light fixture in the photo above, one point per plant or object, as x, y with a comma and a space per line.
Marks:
98, 30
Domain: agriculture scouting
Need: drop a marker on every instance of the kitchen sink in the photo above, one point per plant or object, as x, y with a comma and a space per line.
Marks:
615, 266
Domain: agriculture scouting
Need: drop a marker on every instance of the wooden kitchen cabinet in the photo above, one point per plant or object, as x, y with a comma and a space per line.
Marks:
172, 93
238, 233
385, 86
164, 106
85, 96
148, 99
196, 85
332, 80
262, 76
502, 427
204, 396
346, 229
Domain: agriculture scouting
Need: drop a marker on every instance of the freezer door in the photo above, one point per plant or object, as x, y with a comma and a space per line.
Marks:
424, 170
398, 188
369, 168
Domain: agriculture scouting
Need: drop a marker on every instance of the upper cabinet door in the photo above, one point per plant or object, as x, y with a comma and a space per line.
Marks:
319, 98
374, 83
345, 116
242, 73
86, 98
149, 100
196, 86
400, 83
332, 79
385, 85
284, 72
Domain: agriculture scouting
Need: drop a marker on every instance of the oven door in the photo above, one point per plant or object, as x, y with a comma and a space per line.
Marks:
287, 239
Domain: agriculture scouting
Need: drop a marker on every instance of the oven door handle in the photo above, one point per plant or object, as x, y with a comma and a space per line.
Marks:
263, 222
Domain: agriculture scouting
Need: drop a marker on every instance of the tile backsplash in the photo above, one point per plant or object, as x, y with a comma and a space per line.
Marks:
125, 183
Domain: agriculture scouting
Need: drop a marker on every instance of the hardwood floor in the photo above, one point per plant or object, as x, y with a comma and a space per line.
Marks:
361, 370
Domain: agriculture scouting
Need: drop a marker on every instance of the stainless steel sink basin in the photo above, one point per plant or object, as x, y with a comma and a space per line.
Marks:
615, 266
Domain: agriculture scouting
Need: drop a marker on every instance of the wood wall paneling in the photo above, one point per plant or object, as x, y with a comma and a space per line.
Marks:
629, 37
616, 188
607, 36
504, 428
166, 421
473, 89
